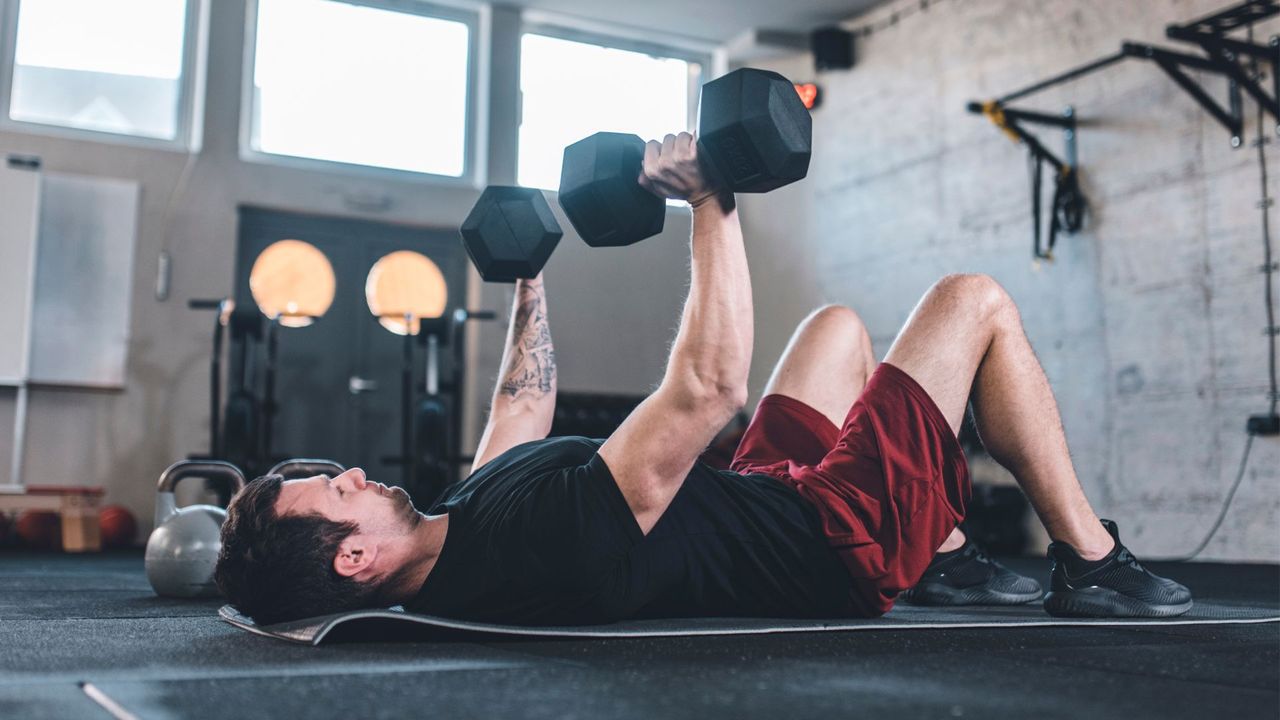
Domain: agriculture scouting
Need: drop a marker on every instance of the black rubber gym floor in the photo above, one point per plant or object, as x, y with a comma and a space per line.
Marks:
66, 621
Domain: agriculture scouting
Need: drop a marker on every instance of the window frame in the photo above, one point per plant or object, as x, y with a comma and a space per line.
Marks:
535, 22
465, 13
190, 111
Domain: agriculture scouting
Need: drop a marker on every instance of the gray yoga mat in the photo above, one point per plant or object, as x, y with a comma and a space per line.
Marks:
397, 625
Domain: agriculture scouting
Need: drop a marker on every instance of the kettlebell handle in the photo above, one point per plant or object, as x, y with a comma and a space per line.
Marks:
204, 468
306, 467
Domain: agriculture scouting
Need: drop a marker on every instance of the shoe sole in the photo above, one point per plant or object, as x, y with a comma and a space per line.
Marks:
943, 595
1100, 602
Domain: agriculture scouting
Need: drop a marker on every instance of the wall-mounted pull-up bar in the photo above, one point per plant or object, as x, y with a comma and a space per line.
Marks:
1222, 56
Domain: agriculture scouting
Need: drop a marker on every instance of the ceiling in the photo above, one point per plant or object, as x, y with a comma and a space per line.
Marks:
716, 21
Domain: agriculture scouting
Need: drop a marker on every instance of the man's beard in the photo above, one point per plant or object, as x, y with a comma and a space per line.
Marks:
393, 589
405, 507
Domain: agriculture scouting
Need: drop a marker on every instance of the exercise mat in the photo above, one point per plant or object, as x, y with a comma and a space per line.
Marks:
396, 625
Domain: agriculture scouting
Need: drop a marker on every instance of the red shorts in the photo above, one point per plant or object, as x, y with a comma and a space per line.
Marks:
889, 485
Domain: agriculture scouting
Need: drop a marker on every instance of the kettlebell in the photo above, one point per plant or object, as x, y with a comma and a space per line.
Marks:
184, 547
306, 467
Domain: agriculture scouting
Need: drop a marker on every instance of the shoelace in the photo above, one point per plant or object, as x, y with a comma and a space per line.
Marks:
970, 552
1124, 557
977, 554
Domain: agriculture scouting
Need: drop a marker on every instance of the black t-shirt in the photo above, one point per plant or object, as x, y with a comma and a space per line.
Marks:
541, 535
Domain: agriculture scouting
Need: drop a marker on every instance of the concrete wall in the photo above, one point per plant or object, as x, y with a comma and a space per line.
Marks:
1149, 324
612, 311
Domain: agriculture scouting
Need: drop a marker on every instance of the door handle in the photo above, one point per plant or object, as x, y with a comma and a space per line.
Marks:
357, 385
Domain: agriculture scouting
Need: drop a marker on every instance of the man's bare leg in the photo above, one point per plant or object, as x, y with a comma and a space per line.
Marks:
826, 365
966, 334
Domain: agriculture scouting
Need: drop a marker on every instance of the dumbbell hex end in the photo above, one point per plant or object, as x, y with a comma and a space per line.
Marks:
510, 233
601, 195
754, 130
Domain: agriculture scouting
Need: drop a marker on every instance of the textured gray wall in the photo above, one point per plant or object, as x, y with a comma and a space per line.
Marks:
1149, 324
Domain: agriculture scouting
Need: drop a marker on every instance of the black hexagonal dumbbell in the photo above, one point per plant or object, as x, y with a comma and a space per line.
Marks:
601, 195
755, 131
510, 233
754, 135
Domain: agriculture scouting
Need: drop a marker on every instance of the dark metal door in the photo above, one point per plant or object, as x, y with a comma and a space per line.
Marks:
338, 384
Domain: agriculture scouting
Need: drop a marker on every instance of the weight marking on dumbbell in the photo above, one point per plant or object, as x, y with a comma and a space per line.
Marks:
740, 169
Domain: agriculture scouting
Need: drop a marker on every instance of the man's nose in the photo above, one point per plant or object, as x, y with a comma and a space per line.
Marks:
355, 477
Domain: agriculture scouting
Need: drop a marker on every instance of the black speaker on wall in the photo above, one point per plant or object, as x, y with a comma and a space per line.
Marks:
832, 48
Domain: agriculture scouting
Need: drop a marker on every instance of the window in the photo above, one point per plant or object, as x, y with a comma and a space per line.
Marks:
119, 67
403, 288
571, 89
361, 84
292, 281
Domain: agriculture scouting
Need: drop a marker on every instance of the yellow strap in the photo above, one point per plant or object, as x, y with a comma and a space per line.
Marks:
993, 112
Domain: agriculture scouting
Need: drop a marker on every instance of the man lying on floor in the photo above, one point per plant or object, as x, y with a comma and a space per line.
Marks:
848, 481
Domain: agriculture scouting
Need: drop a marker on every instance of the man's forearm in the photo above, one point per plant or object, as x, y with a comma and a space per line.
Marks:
527, 382
711, 356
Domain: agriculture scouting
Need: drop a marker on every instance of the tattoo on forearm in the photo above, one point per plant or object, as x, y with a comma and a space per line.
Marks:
530, 370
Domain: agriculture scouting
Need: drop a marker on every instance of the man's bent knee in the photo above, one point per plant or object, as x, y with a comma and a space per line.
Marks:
977, 293
837, 320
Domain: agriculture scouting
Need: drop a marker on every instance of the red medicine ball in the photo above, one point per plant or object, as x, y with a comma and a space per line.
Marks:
39, 529
119, 528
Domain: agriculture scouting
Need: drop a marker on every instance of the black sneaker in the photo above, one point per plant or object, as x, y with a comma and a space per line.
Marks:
1115, 586
967, 576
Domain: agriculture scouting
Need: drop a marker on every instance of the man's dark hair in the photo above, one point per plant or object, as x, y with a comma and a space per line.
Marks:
275, 568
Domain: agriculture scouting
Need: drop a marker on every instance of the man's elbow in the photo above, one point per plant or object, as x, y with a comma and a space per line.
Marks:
729, 393
538, 414
735, 398
705, 395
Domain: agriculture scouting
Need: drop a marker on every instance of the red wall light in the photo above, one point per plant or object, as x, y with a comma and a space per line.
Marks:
810, 94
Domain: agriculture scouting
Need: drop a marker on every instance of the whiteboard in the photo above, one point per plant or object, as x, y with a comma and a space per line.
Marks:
19, 217
83, 281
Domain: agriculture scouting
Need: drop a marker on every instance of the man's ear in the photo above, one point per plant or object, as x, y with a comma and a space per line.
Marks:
354, 555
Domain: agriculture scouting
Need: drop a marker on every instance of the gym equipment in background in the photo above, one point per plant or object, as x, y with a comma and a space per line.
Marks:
407, 292
241, 441
1224, 56
510, 233
184, 546
72, 525
754, 135
430, 409
293, 284
403, 290
234, 427
592, 415
225, 307
117, 526
437, 412
306, 467
39, 529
